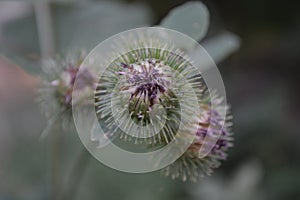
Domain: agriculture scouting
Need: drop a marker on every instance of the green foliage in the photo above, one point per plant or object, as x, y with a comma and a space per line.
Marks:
191, 18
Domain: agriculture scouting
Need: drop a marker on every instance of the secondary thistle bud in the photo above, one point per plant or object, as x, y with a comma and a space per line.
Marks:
189, 166
55, 92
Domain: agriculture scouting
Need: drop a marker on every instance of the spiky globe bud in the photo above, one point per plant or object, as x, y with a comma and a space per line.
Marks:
55, 92
137, 96
190, 166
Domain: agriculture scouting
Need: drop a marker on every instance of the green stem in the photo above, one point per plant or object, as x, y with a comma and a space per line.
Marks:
45, 27
55, 152
75, 175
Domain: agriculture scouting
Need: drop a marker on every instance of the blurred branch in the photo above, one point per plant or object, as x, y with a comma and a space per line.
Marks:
45, 28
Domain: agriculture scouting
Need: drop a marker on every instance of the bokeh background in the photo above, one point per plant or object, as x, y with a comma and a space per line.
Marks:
261, 80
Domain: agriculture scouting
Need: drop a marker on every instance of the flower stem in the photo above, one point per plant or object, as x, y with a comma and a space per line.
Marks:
55, 152
45, 28
75, 176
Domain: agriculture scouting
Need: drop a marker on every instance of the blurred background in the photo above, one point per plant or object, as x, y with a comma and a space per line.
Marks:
261, 80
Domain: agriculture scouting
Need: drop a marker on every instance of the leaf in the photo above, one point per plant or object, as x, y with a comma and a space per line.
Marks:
192, 19
221, 46
217, 49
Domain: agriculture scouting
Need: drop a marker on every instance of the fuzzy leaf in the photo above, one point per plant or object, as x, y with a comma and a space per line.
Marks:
217, 47
192, 19
221, 46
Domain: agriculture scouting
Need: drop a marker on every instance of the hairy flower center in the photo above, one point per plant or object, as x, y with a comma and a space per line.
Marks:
145, 81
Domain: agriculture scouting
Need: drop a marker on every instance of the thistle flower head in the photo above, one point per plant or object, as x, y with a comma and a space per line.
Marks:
142, 87
190, 166
55, 92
